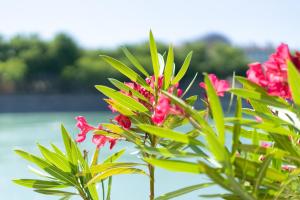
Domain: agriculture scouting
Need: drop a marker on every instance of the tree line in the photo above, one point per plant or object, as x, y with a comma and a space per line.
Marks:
29, 64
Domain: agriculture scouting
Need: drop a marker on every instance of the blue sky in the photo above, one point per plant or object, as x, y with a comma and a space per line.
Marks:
99, 23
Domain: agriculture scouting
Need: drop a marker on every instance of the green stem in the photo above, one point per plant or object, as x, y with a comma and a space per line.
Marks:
152, 172
152, 175
103, 190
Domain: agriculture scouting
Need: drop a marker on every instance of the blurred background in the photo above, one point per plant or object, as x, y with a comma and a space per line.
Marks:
49, 59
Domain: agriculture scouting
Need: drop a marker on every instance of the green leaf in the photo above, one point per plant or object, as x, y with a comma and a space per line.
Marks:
237, 127
126, 88
122, 99
170, 134
260, 97
56, 159
293, 79
55, 192
183, 68
168, 73
197, 120
250, 168
183, 191
100, 168
39, 184
67, 142
128, 72
190, 85
176, 165
216, 109
54, 171
115, 156
154, 56
57, 150
262, 173
191, 100
113, 172
135, 62
166, 152
124, 110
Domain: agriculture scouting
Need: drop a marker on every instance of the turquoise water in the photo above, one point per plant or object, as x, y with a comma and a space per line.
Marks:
25, 130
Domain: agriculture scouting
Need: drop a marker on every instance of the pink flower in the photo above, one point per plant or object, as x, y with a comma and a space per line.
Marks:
288, 167
221, 86
272, 75
258, 119
161, 110
151, 80
256, 74
84, 128
123, 121
100, 141
265, 144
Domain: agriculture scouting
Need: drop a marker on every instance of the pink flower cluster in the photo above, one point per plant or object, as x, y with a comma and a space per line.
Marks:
99, 140
272, 75
221, 86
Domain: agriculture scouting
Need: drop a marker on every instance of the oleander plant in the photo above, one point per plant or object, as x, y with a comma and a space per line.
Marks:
251, 154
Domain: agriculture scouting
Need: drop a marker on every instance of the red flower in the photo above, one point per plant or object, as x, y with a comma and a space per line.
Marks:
123, 121
221, 86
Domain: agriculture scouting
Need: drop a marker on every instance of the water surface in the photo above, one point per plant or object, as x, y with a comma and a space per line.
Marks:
24, 131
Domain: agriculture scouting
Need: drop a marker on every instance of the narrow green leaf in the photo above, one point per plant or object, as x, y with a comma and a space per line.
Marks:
122, 99
114, 157
57, 150
216, 109
190, 85
197, 120
135, 62
237, 127
166, 152
154, 55
293, 78
113, 172
183, 68
262, 173
170, 134
55, 192
125, 70
124, 110
56, 159
168, 73
100, 168
126, 88
183, 191
67, 142
54, 171
176, 165
260, 97
39, 184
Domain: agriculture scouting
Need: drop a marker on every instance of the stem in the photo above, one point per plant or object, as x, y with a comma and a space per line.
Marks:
82, 194
152, 175
152, 171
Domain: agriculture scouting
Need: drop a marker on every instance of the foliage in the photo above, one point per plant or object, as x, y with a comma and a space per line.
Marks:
253, 154
60, 65
70, 169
